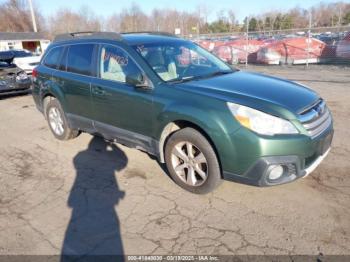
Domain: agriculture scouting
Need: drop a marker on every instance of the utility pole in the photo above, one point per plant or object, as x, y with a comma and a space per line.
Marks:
247, 43
33, 15
198, 31
309, 39
332, 19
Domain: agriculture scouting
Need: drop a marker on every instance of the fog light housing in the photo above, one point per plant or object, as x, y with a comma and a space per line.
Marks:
275, 172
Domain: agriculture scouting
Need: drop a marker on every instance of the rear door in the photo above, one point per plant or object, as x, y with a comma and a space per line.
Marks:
45, 72
76, 80
121, 110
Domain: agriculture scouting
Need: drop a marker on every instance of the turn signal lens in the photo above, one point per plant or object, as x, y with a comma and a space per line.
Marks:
244, 121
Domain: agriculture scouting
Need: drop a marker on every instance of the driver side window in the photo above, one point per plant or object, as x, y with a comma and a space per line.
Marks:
115, 64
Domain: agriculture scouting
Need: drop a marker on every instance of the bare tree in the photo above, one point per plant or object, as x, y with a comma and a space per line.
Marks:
15, 17
232, 18
66, 20
113, 23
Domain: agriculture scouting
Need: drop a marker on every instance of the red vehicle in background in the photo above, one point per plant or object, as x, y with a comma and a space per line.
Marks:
236, 51
210, 44
296, 50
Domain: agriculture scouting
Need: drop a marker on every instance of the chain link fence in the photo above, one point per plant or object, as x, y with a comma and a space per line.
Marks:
302, 46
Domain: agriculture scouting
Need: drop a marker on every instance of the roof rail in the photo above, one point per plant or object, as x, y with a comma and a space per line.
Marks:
88, 35
151, 33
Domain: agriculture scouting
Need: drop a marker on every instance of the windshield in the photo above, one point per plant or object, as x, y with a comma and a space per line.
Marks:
181, 61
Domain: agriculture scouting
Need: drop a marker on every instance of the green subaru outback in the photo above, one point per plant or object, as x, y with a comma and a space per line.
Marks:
172, 99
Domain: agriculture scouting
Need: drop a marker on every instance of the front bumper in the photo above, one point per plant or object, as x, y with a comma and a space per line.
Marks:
294, 166
13, 87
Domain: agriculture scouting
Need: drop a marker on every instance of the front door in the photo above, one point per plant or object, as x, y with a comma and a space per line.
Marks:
121, 111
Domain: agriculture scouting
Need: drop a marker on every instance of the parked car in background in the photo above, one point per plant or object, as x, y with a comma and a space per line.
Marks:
238, 50
294, 50
25, 60
13, 80
329, 39
210, 44
343, 48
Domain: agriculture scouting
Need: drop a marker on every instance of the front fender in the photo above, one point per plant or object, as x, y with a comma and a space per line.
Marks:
216, 122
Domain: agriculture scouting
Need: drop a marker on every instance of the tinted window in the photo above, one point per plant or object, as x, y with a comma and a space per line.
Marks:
51, 60
80, 59
115, 64
63, 62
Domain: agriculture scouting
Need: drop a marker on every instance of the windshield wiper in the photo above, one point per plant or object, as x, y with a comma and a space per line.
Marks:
190, 78
218, 73
182, 80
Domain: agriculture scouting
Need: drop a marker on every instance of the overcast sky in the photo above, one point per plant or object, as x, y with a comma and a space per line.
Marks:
242, 7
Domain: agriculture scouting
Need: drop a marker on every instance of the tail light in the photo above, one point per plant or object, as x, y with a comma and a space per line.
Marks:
34, 73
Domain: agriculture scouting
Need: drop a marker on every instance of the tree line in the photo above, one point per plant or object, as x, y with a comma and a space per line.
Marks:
15, 17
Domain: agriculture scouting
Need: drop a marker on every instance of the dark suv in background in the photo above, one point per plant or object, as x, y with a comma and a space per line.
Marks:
173, 99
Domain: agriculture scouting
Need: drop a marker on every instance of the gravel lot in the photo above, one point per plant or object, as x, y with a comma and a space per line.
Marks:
85, 196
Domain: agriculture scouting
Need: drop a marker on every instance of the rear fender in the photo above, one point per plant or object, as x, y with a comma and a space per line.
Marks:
52, 89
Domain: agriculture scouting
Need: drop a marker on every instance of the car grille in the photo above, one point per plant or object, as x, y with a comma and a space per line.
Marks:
316, 119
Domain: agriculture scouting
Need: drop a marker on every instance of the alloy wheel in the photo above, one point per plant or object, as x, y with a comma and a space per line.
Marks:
56, 121
189, 163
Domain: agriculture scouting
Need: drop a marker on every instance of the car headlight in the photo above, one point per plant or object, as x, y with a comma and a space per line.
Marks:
261, 122
21, 76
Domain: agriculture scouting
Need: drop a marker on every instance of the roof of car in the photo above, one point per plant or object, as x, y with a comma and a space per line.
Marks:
132, 38
147, 38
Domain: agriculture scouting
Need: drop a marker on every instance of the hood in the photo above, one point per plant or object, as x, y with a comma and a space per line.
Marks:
241, 87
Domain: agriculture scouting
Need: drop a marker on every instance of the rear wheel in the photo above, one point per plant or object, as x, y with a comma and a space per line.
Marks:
192, 162
57, 121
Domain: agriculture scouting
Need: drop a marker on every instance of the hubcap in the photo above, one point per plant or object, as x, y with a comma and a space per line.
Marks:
189, 163
56, 122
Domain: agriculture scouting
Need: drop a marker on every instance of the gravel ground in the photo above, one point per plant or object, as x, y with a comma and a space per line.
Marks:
85, 196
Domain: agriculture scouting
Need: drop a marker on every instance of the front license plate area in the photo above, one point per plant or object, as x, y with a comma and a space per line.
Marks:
325, 143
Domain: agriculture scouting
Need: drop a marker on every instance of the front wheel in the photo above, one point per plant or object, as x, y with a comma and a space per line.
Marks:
192, 162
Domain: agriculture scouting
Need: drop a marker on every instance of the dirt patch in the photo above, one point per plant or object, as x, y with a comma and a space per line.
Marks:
132, 173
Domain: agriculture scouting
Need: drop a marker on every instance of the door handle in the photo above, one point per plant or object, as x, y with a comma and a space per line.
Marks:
98, 91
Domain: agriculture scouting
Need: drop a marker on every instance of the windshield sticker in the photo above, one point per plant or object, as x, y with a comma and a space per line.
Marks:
121, 60
141, 48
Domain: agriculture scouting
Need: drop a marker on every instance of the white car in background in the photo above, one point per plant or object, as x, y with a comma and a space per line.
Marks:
25, 60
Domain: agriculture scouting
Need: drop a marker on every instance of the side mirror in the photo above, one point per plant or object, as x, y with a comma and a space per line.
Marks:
139, 80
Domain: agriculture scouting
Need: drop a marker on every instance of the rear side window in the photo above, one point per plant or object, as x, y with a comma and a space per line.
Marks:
79, 59
52, 58
63, 62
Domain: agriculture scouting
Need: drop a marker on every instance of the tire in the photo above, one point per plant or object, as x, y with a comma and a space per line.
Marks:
180, 168
52, 109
